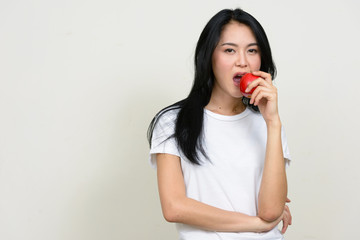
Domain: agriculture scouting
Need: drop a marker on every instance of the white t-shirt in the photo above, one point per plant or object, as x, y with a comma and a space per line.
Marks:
231, 178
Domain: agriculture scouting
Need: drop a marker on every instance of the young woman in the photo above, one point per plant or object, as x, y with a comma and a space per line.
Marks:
221, 157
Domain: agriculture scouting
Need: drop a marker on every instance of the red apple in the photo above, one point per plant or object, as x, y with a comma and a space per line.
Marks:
245, 81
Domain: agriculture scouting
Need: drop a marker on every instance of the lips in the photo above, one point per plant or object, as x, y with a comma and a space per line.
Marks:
237, 77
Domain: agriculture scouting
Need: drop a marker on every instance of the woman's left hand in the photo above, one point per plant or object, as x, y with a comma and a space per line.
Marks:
264, 96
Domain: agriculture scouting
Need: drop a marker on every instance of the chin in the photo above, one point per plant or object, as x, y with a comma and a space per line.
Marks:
237, 95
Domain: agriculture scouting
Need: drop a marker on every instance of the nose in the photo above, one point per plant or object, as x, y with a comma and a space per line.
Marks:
241, 60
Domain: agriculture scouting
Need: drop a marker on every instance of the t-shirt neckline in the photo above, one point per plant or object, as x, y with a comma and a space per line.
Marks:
227, 117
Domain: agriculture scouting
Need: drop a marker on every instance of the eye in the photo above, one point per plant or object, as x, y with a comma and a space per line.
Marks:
229, 50
253, 50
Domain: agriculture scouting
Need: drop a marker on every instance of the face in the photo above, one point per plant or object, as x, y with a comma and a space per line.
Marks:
237, 53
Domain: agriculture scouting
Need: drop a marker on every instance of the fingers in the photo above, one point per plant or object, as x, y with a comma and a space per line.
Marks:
288, 214
287, 219
286, 223
263, 88
286, 208
259, 81
290, 217
284, 228
264, 75
261, 92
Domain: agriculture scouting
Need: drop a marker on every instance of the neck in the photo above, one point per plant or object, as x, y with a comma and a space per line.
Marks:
230, 107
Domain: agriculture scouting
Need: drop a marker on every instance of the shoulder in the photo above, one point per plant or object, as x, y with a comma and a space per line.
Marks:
167, 116
164, 123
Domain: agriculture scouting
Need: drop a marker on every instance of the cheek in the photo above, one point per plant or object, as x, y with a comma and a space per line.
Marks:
222, 63
255, 63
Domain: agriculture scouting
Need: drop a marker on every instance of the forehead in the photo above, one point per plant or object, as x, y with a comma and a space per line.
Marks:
237, 33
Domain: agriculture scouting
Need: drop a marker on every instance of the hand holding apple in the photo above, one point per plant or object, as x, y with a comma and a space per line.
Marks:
245, 81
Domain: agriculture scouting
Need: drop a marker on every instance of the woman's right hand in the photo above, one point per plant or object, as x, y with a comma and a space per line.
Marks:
285, 217
268, 226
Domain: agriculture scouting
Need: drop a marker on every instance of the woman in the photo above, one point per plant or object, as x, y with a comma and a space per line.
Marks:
221, 157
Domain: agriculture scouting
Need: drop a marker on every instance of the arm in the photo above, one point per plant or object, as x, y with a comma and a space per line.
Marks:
273, 189
177, 207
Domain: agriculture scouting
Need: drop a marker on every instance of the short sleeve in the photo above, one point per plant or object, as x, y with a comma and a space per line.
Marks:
163, 140
285, 147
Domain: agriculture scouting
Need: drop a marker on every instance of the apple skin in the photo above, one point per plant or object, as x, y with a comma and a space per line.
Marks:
245, 81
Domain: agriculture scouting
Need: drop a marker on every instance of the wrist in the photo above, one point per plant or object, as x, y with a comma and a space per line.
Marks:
274, 123
264, 226
261, 225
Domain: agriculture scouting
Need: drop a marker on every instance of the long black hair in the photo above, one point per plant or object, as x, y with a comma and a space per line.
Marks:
189, 121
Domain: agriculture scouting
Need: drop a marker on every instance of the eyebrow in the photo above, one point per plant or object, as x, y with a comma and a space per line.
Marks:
235, 45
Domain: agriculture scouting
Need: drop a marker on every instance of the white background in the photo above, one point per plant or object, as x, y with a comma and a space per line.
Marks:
80, 81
